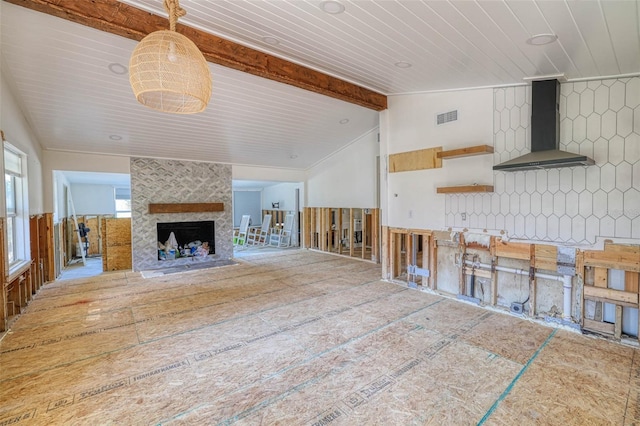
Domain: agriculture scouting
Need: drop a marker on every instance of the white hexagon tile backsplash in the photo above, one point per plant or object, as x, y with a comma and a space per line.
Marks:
600, 119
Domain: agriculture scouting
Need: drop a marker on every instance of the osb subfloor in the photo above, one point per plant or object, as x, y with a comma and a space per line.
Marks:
297, 338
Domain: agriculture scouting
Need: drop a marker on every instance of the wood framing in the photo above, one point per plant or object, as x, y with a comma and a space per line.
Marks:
306, 227
594, 266
326, 230
512, 250
185, 207
351, 232
614, 256
375, 240
4, 314
127, 21
546, 257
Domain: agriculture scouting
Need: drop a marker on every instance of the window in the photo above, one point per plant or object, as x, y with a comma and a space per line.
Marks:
16, 205
123, 202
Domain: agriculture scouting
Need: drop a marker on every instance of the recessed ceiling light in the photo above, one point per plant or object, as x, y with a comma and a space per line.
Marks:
542, 39
115, 137
403, 64
271, 40
117, 68
331, 6
344, 121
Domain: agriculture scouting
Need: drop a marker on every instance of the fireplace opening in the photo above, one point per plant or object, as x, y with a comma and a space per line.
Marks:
185, 239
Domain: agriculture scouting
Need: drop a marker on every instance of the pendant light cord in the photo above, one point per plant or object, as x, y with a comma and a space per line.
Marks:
175, 11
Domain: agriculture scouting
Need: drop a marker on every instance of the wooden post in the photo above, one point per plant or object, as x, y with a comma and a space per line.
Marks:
384, 253
433, 265
364, 232
461, 276
323, 229
351, 228
617, 330
632, 284
392, 254
426, 243
3, 293
306, 226
47, 247
312, 227
408, 254
396, 240
375, 241
532, 282
339, 230
494, 284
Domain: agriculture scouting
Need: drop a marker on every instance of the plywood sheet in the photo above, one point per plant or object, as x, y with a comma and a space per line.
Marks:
415, 160
116, 244
296, 338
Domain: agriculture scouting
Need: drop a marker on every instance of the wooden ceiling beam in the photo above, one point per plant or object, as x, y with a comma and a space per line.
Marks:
127, 21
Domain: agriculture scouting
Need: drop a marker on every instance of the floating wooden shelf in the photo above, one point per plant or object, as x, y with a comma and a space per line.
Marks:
465, 188
185, 207
465, 152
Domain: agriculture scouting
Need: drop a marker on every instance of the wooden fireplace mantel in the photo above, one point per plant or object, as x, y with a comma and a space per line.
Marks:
185, 207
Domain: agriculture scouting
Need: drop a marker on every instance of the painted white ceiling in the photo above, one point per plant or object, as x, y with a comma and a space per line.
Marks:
59, 73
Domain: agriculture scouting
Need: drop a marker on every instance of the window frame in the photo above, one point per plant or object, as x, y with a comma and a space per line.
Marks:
17, 221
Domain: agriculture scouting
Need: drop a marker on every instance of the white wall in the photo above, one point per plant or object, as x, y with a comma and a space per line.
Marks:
408, 125
93, 199
19, 134
266, 173
72, 161
60, 185
347, 178
247, 202
284, 193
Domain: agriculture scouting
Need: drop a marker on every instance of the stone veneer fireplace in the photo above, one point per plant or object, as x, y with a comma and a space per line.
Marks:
172, 181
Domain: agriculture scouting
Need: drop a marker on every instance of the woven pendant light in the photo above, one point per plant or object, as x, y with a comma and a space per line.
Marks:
168, 72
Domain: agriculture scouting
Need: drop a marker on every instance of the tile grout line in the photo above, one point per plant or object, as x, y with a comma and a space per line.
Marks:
506, 392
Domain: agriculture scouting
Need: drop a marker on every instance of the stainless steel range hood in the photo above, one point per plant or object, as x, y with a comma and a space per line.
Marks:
545, 132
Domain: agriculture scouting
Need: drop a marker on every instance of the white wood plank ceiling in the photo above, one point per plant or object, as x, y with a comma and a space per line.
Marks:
58, 70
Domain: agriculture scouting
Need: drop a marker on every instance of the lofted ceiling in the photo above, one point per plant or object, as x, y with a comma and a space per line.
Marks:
59, 71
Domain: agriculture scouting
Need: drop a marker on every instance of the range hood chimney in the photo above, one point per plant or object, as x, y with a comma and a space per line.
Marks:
545, 134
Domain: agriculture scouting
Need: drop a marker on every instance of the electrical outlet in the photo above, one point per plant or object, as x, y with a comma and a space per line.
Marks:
410, 214
464, 216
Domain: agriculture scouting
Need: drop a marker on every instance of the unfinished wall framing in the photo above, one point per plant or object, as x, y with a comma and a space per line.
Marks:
93, 222
20, 284
523, 278
610, 296
352, 232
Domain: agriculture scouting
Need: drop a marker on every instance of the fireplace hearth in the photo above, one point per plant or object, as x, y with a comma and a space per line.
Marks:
185, 239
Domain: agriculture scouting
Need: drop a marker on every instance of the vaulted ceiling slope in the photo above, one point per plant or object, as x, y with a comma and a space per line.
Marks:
59, 71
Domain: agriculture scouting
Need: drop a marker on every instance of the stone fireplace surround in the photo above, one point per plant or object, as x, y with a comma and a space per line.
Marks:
173, 181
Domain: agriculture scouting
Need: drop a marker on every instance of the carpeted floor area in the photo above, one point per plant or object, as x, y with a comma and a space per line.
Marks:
297, 338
